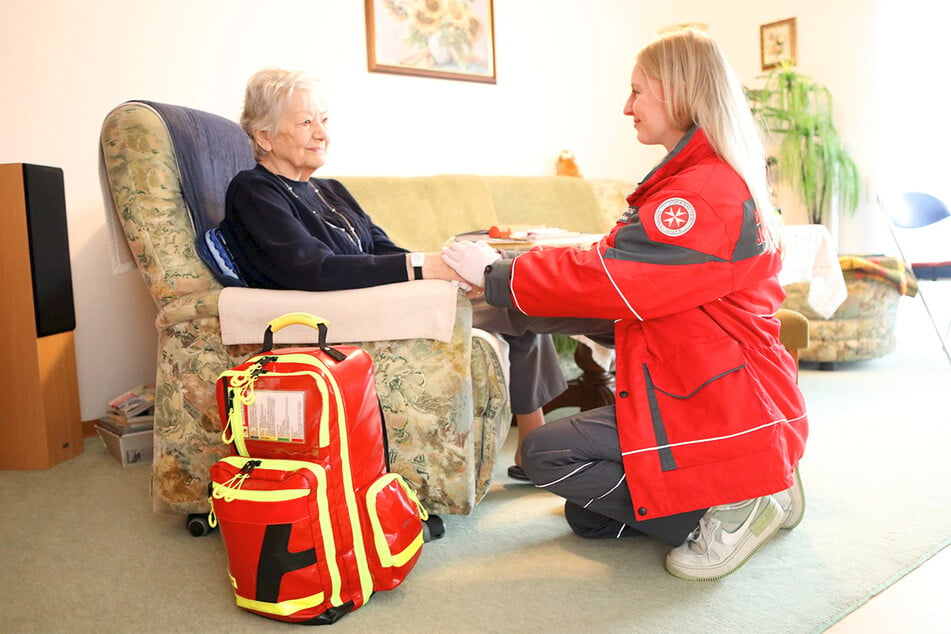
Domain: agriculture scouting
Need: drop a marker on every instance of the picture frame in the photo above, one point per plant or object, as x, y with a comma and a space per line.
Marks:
777, 41
432, 38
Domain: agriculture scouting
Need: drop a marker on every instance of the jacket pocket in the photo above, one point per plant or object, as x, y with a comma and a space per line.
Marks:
705, 405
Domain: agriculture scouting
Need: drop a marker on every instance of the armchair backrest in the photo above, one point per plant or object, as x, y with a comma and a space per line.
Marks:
167, 169
210, 150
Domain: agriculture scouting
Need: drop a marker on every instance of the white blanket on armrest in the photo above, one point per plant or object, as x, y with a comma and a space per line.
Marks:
121, 255
409, 310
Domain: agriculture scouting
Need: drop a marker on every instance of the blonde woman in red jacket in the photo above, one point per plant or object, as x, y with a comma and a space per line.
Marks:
701, 446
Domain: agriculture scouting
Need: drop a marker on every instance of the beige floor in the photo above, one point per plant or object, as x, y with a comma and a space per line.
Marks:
917, 603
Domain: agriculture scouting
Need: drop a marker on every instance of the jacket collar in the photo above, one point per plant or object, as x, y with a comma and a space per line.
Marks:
691, 148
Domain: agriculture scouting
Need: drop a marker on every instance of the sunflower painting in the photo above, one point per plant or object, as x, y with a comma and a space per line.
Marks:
451, 39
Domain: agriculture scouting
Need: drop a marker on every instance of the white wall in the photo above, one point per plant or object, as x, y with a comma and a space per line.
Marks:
834, 45
563, 69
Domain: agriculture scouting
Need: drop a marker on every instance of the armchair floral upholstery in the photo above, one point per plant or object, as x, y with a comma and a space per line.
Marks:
445, 403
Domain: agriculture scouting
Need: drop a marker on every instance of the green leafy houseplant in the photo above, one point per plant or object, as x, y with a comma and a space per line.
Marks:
797, 113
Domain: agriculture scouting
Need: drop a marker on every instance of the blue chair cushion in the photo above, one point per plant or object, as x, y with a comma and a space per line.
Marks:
214, 252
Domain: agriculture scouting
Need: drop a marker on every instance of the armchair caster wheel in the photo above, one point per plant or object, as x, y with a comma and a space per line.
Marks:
197, 524
433, 528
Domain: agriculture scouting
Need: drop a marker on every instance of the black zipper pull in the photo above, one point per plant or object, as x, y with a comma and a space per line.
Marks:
248, 467
258, 368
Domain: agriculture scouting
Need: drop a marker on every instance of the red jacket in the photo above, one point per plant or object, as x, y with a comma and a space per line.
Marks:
707, 403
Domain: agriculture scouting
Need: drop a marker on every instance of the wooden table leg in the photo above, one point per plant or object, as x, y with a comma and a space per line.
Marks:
594, 388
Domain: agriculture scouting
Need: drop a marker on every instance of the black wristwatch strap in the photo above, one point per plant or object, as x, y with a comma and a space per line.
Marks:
416, 261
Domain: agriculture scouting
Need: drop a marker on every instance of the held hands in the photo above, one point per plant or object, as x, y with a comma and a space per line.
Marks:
435, 269
469, 259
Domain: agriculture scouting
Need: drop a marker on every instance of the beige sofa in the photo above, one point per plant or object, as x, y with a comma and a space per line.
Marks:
445, 402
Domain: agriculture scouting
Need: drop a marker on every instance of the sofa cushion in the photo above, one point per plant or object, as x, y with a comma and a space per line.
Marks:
554, 201
420, 213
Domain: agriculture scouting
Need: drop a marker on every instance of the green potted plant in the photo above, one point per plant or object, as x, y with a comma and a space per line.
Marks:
796, 112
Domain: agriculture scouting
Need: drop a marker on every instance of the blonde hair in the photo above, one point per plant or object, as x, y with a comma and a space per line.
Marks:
268, 93
700, 89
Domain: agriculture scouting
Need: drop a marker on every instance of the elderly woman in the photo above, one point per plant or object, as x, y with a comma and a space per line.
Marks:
287, 230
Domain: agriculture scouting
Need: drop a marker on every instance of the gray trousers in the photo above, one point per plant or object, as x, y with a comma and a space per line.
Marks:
579, 458
535, 374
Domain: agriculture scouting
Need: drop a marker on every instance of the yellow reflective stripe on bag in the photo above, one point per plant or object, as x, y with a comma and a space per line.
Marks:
353, 511
235, 425
284, 608
228, 494
387, 558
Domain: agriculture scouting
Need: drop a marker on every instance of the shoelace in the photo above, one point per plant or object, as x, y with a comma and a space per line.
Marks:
702, 536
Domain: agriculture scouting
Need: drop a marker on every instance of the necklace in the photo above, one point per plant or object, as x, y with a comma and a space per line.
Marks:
348, 229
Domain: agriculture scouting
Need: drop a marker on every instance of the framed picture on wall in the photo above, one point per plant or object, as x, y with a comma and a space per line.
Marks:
432, 38
777, 41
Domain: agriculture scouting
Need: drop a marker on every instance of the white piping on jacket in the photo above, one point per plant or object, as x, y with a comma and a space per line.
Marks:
704, 440
606, 273
620, 294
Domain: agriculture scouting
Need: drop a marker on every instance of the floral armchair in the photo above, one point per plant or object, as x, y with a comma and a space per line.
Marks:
445, 402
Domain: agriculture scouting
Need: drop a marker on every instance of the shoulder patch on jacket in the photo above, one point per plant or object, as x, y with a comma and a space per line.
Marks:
675, 217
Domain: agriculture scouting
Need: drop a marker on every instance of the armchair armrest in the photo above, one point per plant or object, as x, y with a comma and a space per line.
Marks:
408, 310
793, 330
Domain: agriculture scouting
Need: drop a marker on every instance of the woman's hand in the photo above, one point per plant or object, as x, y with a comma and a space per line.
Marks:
469, 259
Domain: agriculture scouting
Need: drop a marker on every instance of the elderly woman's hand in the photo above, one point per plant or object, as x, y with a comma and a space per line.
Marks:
435, 269
469, 259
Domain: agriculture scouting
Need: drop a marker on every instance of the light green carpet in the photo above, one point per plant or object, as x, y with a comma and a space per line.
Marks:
82, 551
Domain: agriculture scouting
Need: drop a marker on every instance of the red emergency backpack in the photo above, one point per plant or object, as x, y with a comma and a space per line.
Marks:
311, 518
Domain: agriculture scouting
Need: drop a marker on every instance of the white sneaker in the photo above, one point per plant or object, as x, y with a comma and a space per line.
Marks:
793, 501
725, 538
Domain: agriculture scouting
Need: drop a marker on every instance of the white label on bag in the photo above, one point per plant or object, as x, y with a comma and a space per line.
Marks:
275, 415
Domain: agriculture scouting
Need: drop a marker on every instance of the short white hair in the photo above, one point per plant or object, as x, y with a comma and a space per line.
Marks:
268, 93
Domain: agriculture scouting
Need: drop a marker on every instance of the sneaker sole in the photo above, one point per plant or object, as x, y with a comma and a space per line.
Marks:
771, 528
792, 521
